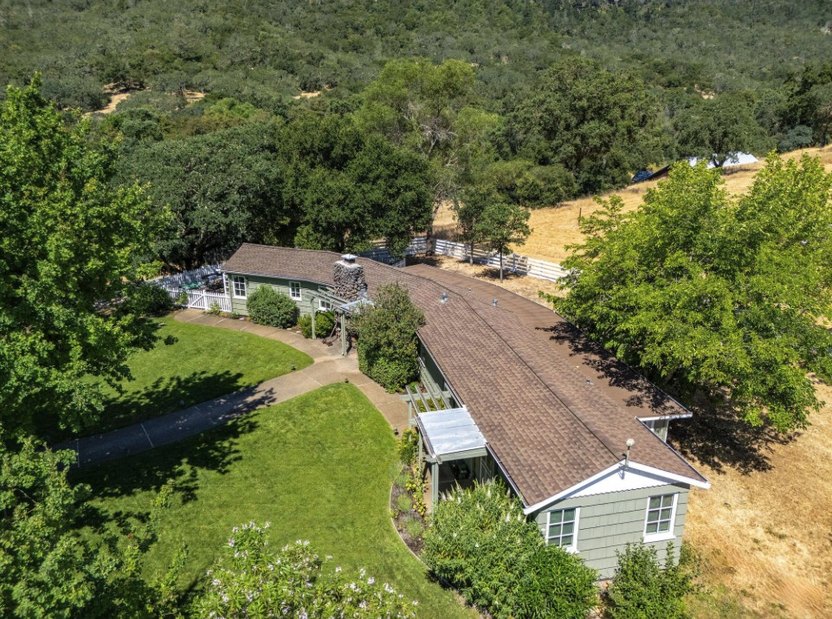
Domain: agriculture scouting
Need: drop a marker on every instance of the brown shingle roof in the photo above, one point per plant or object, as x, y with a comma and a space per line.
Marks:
554, 409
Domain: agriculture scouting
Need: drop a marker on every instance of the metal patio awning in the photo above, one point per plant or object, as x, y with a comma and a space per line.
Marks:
450, 435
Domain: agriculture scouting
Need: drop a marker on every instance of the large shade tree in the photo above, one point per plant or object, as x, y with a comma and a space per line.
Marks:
598, 125
69, 244
717, 297
350, 188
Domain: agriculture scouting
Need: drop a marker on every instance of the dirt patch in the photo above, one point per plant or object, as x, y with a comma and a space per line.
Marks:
118, 96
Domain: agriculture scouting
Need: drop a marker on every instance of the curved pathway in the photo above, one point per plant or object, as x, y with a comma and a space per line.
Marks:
328, 367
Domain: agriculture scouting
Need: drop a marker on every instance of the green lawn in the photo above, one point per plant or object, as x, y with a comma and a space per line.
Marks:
194, 363
318, 467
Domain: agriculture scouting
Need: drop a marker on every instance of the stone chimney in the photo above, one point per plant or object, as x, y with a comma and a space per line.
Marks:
349, 279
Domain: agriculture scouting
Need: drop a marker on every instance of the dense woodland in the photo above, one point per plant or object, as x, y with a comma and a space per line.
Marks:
495, 107
508, 103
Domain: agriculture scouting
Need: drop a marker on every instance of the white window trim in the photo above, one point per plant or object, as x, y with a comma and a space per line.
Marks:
299, 297
234, 280
572, 548
664, 535
323, 307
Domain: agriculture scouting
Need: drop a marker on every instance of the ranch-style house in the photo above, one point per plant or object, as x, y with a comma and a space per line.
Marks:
510, 389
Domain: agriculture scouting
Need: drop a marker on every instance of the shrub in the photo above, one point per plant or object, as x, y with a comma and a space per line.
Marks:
642, 588
324, 322
404, 503
266, 306
388, 350
409, 447
480, 542
146, 299
252, 580
414, 527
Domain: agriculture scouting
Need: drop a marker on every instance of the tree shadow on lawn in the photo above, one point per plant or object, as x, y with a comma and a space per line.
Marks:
178, 464
165, 395
715, 435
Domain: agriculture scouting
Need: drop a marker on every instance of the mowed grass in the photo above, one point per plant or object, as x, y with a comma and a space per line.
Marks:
194, 363
318, 467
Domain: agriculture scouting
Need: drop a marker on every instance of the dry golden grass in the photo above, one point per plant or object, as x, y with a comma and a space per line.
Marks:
528, 287
556, 227
767, 536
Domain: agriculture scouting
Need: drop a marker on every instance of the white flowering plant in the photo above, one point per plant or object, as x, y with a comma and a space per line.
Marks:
254, 581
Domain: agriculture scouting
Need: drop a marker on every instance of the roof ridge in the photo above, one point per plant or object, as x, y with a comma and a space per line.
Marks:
526, 364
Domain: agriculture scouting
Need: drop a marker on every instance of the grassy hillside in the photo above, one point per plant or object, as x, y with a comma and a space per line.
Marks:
553, 229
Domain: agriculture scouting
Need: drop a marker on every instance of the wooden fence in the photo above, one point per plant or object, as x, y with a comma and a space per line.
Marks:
515, 263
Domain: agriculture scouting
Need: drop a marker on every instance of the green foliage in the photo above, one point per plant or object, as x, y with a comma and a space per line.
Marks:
644, 589
596, 124
266, 306
480, 542
666, 289
409, 446
223, 189
147, 299
417, 486
252, 580
48, 568
350, 187
68, 242
500, 225
388, 351
404, 503
717, 129
324, 323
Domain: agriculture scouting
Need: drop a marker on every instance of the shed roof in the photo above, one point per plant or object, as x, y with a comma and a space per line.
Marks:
449, 432
554, 408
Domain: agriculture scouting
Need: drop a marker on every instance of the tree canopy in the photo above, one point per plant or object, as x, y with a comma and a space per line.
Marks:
714, 296
69, 244
598, 125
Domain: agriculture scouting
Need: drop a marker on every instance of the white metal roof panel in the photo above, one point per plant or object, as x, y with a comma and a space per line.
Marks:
450, 431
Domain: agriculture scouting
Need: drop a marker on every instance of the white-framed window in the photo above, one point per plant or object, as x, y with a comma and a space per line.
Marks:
324, 305
294, 290
238, 286
660, 517
562, 528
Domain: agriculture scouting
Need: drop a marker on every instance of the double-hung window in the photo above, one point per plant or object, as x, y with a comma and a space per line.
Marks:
324, 305
238, 283
562, 528
661, 513
294, 290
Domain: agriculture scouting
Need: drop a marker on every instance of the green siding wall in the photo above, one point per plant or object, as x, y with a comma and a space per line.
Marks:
308, 292
430, 372
607, 522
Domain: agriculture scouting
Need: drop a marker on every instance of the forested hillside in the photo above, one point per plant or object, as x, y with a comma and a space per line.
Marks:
264, 51
331, 124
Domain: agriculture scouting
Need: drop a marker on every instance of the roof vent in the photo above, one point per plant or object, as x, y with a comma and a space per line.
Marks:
443, 298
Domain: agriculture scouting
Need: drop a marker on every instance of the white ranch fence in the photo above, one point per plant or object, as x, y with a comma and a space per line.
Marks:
202, 299
515, 263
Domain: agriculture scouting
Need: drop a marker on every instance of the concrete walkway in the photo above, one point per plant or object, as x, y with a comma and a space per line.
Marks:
328, 367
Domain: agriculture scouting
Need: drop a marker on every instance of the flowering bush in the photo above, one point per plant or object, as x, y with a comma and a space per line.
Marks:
252, 580
480, 542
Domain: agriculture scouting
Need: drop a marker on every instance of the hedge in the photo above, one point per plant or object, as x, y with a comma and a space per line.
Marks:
266, 306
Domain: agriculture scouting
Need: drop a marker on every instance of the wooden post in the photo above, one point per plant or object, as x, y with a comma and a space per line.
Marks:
434, 484
343, 335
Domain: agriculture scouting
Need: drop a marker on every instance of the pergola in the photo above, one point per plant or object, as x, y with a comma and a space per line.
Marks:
448, 435
342, 309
